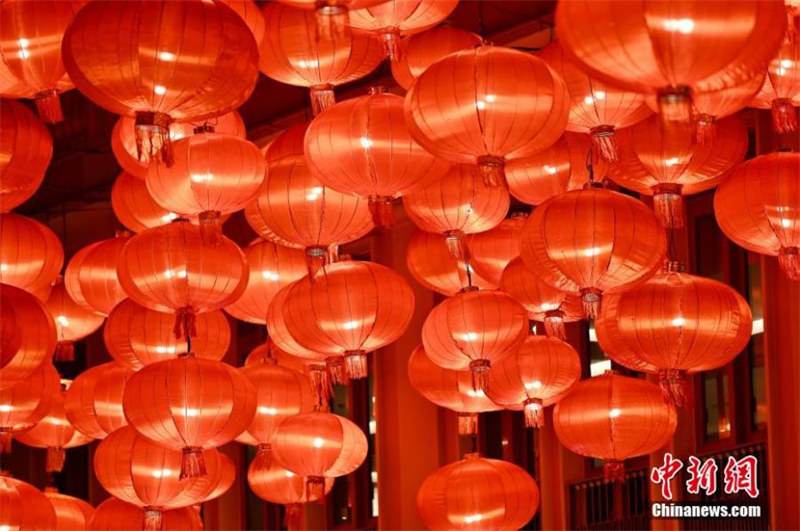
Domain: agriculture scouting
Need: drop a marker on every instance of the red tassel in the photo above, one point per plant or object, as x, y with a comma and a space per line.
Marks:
455, 244
554, 324
492, 170
292, 515
614, 471
316, 259
320, 386
192, 463
315, 488
605, 142
591, 302
336, 372
211, 228
480, 372
706, 129
789, 260
784, 115
6, 437
185, 323
48, 105
355, 365
675, 105
668, 205
332, 20
673, 384
54, 460
153, 142
391, 45
265, 451
152, 519
382, 211
65, 351
467, 423
322, 98
534, 413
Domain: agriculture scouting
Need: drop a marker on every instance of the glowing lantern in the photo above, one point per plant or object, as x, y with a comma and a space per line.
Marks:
73, 322
593, 241
472, 330
72, 514
251, 15
27, 402
23, 507
781, 89
491, 251
613, 417
31, 255
25, 152
93, 403
478, 493
91, 275
758, 207
510, 104
279, 330
27, 336
116, 515
134, 207
534, 377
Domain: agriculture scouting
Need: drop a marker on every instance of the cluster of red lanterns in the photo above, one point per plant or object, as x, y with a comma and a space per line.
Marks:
647, 104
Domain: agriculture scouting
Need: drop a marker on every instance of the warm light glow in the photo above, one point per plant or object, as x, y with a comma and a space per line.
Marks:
166, 218
469, 336
5, 528
62, 320
318, 442
313, 63
593, 251
671, 162
350, 325
202, 177
162, 473
270, 275
491, 98
160, 90
267, 410
678, 321
533, 385
315, 193
169, 273
23, 42
166, 56
547, 307
549, 169
23, 53
365, 142
161, 349
786, 63
471, 519
191, 412
476, 394
681, 25
6, 408
614, 413
289, 474
3, 267
786, 223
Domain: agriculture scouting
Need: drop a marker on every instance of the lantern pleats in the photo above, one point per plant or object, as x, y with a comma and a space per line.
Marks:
491, 251
32, 255
93, 403
117, 515
91, 275
27, 402
23, 507
72, 321
72, 514
25, 152
27, 335
420, 51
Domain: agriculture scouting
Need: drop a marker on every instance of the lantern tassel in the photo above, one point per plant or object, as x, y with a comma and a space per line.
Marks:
152, 137
382, 211
355, 364
391, 45
315, 488
291, 516
6, 437
336, 372
554, 325
455, 245
784, 115
152, 519
316, 258
479, 370
54, 459
605, 142
534, 413
467, 423
211, 228
706, 129
65, 351
789, 260
591, 302
185, 320
492, 170
675, 105
668, 205
192, 463
265, 452
320, 386
322, 98
48, 105
672, 383
614, 471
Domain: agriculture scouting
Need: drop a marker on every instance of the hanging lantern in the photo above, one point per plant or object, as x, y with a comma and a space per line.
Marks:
673, 325
27, 335
91, 275
279, 330
31, 255
668, 164
116, 515
171, 269
251, 15
597, 108
272, 267
134, 207
491, 251
362, 146
23, 507
593, 241
472, 330
26, 149
511, 104
420, 51
25, 403
767, 190
781, 89
30, 34
667, 48
319, 445
614, 418
72, 321
93, 403
448, 389
197, 60
457, 204
291, 52
543, 302
394, 19
534, 377
478, 493
72, 514
189, 404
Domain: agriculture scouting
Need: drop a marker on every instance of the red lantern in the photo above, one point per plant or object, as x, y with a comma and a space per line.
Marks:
93, 403
668, 163
25, 152
28, 335
72, 321
72, 514
319, 445
478, 493
27, 402
767, 190
472, 330
31, 253
457, 204
668, 48
781, 89
420, 51
171, 269
30, 35
511, 104
189, 404
560, 168
362, 146
593, 241
134, 207
91, 275
673, 325
23, 507
291, 52
534, 377
196, 61
613, 417
251, 15
448, 389
491, 251
597, 108
116, 515
348, 309
279, 330
272, 267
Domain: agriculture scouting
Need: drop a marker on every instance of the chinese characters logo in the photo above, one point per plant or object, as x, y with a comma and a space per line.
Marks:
738, 476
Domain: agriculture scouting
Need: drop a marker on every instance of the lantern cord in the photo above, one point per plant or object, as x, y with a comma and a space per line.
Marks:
54, 459
481, 22
468, 269
455, 244
65, 351
589, 163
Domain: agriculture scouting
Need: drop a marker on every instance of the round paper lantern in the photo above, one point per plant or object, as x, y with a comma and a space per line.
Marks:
593, 241
171, 269
273, 483
197, 61
597, 108
319, 445
543, 302
72, 321
557, 169
279, 330
23, 507
758, 207
30, 32
31, 253
457, 204
667, 164
91, 275
671, 50
511, 104
251, 15
93, 403
292, 53
134, 207
473, 329
478, 493
189, 404
781, 89
673, 325
123, 138
535, 376
27, 402
28, 335
448, 389
348, 309
613, 417
362, 146
72, 514
432, 265
491, 251
272, 267
116, 515
394, 19
25, 152
420, 51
